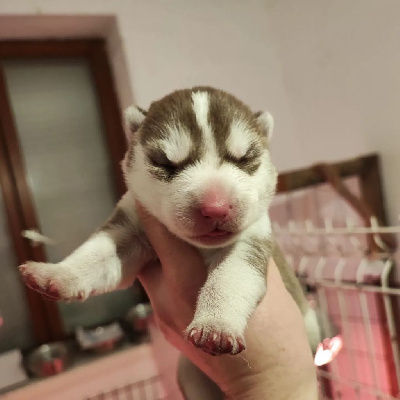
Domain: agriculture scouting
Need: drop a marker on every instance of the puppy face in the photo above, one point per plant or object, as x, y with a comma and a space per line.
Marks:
199, 162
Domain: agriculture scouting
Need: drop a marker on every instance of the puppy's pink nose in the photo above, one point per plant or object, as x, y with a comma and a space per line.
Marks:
219, 211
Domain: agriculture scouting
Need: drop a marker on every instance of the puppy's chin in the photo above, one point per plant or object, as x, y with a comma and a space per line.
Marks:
215, 239
213, 242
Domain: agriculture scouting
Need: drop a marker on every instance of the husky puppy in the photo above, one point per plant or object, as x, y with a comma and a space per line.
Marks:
198, 161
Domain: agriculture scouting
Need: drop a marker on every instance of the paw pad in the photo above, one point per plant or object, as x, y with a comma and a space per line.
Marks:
216, 342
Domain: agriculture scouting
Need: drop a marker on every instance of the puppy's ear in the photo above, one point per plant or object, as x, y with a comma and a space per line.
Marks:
133, 118
266, 123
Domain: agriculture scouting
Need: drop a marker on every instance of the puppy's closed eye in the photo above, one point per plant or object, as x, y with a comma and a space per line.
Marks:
251, 157
160, 161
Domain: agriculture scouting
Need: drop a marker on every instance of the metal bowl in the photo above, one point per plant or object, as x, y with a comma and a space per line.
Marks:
101, 338
49, 359
138, 317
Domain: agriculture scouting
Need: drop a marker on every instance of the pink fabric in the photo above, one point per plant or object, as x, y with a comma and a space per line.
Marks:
87, 380
364, 361
166, 358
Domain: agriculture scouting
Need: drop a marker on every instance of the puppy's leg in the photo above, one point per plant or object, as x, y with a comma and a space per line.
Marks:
97, 265
313, 329
293, 286
235, 285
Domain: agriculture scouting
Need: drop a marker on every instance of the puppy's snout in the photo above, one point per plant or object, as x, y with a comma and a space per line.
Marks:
216, 204
216, 211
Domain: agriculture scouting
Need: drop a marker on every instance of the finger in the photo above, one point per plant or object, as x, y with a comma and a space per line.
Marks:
182, 265
151, 277
164, 243
164, 300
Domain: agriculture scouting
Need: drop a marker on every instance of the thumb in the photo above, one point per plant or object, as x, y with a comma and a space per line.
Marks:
182, 264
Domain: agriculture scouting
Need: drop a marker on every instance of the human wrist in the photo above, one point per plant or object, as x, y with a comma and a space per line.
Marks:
270, 385
278, 363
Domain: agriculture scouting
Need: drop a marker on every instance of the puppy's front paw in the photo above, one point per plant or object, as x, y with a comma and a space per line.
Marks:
53, 282
215, 338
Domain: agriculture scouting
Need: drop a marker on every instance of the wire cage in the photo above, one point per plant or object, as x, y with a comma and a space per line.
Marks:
356, 292
148, 389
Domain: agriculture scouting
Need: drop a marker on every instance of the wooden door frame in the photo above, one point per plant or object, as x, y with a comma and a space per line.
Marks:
22, 249
18, 197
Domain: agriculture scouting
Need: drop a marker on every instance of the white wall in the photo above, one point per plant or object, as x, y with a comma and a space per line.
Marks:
341, 71
329, 71
181, 43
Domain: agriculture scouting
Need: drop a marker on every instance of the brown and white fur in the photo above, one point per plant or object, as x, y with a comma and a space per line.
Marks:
199, 162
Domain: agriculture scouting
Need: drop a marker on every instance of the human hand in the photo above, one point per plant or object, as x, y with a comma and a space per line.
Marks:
277, 363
